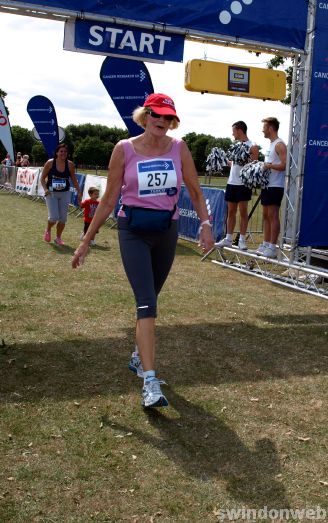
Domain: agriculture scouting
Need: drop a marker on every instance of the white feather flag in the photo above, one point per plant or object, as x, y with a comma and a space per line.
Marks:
5, 131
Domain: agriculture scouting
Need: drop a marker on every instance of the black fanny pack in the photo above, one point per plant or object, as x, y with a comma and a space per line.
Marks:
142, 219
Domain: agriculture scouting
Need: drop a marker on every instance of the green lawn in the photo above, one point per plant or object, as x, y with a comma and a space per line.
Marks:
246, 364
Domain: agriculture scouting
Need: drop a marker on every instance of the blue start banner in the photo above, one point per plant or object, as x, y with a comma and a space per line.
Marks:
122, 40
43, 115
188, 219
314, 215
128, 83
277, 22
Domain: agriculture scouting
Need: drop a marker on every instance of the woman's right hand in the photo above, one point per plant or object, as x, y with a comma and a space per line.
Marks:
80, 254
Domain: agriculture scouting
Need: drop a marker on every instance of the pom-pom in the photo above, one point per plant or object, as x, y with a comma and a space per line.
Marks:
216, 160
239, 153
253, 175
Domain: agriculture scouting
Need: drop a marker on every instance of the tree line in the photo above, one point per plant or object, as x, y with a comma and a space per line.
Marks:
91, 145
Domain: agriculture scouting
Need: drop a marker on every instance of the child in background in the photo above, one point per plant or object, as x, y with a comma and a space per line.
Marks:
90, 205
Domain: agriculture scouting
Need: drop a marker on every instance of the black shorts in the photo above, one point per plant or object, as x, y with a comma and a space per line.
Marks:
237, 193
272, 196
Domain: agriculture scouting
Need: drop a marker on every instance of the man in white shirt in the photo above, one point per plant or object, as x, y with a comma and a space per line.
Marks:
236, 194
271, 197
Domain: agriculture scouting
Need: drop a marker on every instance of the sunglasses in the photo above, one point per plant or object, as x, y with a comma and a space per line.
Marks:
167, 117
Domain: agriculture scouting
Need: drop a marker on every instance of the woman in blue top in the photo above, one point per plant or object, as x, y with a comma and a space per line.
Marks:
55, 180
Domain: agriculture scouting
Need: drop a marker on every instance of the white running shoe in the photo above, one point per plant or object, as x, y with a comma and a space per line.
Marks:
270, 252
242, 245
261, 248
152, 395
82, 236
136, 366
92, 242
224, 243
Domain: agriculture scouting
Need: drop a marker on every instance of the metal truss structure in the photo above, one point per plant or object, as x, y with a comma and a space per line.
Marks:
296, 276
294, 267
297, 140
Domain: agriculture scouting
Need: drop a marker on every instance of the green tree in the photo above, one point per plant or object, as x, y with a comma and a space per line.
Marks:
200, 146
107, 134
39, 154
198, 151
279, 61
190, 138
23, 140
3, 95
68, 140
221, 143
92, 151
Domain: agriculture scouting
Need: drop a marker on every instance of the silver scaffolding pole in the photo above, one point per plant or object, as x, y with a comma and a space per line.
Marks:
291, 210
293, 267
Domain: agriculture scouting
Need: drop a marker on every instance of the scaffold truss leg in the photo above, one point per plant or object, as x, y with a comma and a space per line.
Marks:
296, 276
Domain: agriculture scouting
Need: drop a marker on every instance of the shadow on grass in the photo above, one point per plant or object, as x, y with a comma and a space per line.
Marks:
63, 249
100, 247
68, 250
206, 448
192, 355
293, 319
185, 249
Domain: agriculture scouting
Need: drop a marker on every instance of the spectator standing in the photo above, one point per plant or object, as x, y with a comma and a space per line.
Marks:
7, 164
271, 197
18, 160
55, 180
25, 162
236, 194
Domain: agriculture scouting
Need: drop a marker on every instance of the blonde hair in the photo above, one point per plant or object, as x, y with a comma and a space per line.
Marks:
272, 122
139, 117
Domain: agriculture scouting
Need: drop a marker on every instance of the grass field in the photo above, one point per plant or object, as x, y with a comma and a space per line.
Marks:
246, 364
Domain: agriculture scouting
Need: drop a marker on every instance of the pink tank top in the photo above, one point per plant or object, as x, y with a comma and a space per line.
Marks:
152, 182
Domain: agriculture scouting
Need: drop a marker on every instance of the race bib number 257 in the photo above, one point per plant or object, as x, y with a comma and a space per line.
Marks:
156, 177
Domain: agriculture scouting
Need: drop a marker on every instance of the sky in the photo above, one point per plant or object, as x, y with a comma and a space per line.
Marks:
33, 62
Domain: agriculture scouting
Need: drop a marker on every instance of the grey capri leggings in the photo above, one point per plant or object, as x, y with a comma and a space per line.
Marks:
57, 204
147, 258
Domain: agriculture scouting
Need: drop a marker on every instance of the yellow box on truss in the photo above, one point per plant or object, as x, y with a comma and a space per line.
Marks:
206, 76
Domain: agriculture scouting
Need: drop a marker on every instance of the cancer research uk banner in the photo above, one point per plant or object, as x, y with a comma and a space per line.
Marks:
314, 214
188, 219
277, 22
43, 115
128, 83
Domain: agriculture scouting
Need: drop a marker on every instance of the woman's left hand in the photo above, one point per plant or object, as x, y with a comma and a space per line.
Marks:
206, 240
80, 255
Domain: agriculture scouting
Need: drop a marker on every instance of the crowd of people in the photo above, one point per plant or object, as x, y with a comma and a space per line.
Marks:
8, 163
